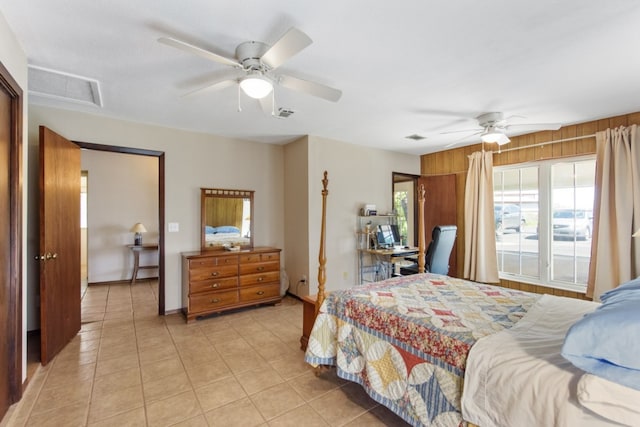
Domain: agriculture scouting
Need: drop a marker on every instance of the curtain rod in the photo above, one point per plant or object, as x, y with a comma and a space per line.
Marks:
540, 144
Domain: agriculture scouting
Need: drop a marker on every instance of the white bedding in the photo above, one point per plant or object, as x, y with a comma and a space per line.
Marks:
517, 377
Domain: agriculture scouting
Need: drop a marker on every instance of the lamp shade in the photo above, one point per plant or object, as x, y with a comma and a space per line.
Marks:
138, 227
256, 86
493, 135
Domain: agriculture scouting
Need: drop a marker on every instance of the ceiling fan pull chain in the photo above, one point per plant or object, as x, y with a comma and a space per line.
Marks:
273, 103
239, 102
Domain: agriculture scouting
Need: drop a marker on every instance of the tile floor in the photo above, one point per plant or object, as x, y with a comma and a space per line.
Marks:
128, 366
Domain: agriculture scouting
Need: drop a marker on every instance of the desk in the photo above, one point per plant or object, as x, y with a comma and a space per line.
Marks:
136, 250
382, 262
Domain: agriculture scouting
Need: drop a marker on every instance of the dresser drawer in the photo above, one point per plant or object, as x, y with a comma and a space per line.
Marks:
261, 267
256, 293
259, 257
211, 301
213, 285
213, 261
214, 272
256, 279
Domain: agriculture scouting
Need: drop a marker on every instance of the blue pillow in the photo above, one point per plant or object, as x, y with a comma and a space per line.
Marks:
632, 286
227, 229
209, 229
606, 342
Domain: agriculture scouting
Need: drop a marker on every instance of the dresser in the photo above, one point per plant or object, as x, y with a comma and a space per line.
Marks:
215, 281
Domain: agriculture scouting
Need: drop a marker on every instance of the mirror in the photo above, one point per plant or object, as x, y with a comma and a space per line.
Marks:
405, 204
226, 219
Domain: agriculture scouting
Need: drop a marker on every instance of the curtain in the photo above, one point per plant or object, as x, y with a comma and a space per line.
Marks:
480, 259
615, 255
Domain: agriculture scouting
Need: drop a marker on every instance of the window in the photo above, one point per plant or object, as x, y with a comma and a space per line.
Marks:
544, 220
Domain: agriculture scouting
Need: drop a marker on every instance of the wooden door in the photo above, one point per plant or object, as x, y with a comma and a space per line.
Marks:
6, 319
440, 209
10, 241
59, 243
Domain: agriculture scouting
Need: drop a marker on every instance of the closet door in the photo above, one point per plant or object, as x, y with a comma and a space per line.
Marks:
440, 209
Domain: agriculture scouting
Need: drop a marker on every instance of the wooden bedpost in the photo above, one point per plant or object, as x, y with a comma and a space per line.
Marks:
322, 258
421, 242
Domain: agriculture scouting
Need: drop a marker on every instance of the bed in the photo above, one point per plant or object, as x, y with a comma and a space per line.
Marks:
225, 235
440, 351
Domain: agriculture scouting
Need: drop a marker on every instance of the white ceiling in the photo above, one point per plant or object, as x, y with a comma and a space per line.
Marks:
404, 67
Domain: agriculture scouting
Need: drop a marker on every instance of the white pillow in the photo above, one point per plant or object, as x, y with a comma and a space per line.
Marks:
610, 400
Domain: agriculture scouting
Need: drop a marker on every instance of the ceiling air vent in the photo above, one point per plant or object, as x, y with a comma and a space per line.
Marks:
283, 113
64, 86
415, 137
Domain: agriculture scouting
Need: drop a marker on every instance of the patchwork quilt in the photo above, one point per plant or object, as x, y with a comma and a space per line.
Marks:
406, 339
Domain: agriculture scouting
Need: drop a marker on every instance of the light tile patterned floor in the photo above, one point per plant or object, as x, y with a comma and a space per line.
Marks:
128, 366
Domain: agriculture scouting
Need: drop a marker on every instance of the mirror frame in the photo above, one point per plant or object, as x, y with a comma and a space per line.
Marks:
206, 193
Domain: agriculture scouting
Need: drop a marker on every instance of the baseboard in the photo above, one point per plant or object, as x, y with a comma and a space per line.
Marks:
118, 282
175, 311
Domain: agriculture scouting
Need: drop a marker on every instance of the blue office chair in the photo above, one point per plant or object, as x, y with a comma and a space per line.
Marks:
438, 251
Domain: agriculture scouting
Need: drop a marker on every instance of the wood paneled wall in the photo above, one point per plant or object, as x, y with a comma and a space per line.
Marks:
456, 161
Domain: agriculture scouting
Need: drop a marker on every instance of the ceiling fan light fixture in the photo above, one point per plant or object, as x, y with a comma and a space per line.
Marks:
495, 135
256, 86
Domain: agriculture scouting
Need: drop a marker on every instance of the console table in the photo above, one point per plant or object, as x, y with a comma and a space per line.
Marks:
136, 250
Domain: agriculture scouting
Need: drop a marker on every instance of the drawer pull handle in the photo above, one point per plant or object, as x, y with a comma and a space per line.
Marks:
260, 293
260, 279
215, 285
214, 274
261, 268
215, 300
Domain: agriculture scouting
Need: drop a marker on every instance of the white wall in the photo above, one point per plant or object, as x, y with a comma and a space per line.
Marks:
192, 161
122, 190
357, 175
14, 60
296, 213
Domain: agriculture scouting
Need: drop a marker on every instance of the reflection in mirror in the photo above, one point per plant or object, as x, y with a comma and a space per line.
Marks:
226, 219
404, 203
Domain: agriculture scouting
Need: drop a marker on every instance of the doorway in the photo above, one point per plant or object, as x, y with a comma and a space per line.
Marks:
84, 275
161, 205
404, 198
159, 160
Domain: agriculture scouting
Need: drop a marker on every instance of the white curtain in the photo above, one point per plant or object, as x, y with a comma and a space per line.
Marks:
615, 255
480, 260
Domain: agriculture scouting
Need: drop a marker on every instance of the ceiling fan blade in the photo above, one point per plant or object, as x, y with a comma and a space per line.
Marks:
292, 42
310, 88
535, 126
218, 85
461, 131
458, 141
188, 47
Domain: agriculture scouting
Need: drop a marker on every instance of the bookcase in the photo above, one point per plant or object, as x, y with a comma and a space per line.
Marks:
370, 267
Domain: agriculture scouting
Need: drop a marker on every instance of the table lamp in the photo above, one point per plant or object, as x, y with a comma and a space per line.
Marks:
138, 228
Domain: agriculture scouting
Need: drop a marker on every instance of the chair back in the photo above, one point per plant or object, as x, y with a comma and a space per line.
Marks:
439, 250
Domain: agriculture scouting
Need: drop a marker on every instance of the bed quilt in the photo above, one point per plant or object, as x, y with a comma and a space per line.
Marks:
406, 339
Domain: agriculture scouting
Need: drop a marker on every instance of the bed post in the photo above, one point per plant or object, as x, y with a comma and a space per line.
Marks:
322, 258
421, 242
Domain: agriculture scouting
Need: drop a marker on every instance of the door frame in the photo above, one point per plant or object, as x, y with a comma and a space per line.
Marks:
14, 340
161, 219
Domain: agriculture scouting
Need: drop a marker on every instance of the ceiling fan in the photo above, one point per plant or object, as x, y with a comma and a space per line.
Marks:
493, 127
255, 66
